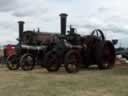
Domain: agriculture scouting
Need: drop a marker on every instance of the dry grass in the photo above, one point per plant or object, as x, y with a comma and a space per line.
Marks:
38, 82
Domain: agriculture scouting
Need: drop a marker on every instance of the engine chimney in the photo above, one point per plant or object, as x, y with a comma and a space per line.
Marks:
63, 21
21, 30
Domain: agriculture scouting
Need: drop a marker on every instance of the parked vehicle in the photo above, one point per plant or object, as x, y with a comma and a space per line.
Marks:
68, 49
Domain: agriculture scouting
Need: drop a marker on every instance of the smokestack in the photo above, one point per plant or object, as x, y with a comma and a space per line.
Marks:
21, 30
63, 21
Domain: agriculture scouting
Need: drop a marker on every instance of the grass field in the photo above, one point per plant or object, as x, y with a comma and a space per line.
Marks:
91, 82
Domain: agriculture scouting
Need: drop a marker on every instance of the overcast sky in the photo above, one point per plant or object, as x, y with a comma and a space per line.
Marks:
86, 15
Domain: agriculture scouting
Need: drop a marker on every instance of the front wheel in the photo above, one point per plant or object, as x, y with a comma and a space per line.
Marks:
27, 62
12, 62
72, 61
51, 61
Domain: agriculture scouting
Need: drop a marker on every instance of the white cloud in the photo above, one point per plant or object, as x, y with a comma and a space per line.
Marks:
109, 15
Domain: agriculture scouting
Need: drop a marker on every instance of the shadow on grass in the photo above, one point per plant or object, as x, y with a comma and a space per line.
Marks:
117, 70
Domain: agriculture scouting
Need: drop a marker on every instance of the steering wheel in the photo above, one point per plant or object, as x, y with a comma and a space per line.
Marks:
98, 33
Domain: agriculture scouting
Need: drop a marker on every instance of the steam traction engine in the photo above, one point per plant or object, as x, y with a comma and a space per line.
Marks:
31, 49
68, 49
74, 50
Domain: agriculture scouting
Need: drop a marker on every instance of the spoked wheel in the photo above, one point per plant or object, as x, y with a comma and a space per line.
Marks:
27, 62
13, 62
51, 62
72, 61
106, 55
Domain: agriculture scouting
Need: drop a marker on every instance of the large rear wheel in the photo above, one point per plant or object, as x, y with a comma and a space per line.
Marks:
105, 55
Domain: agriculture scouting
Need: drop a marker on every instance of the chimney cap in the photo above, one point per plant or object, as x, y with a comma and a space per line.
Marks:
21, 22
63, 15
